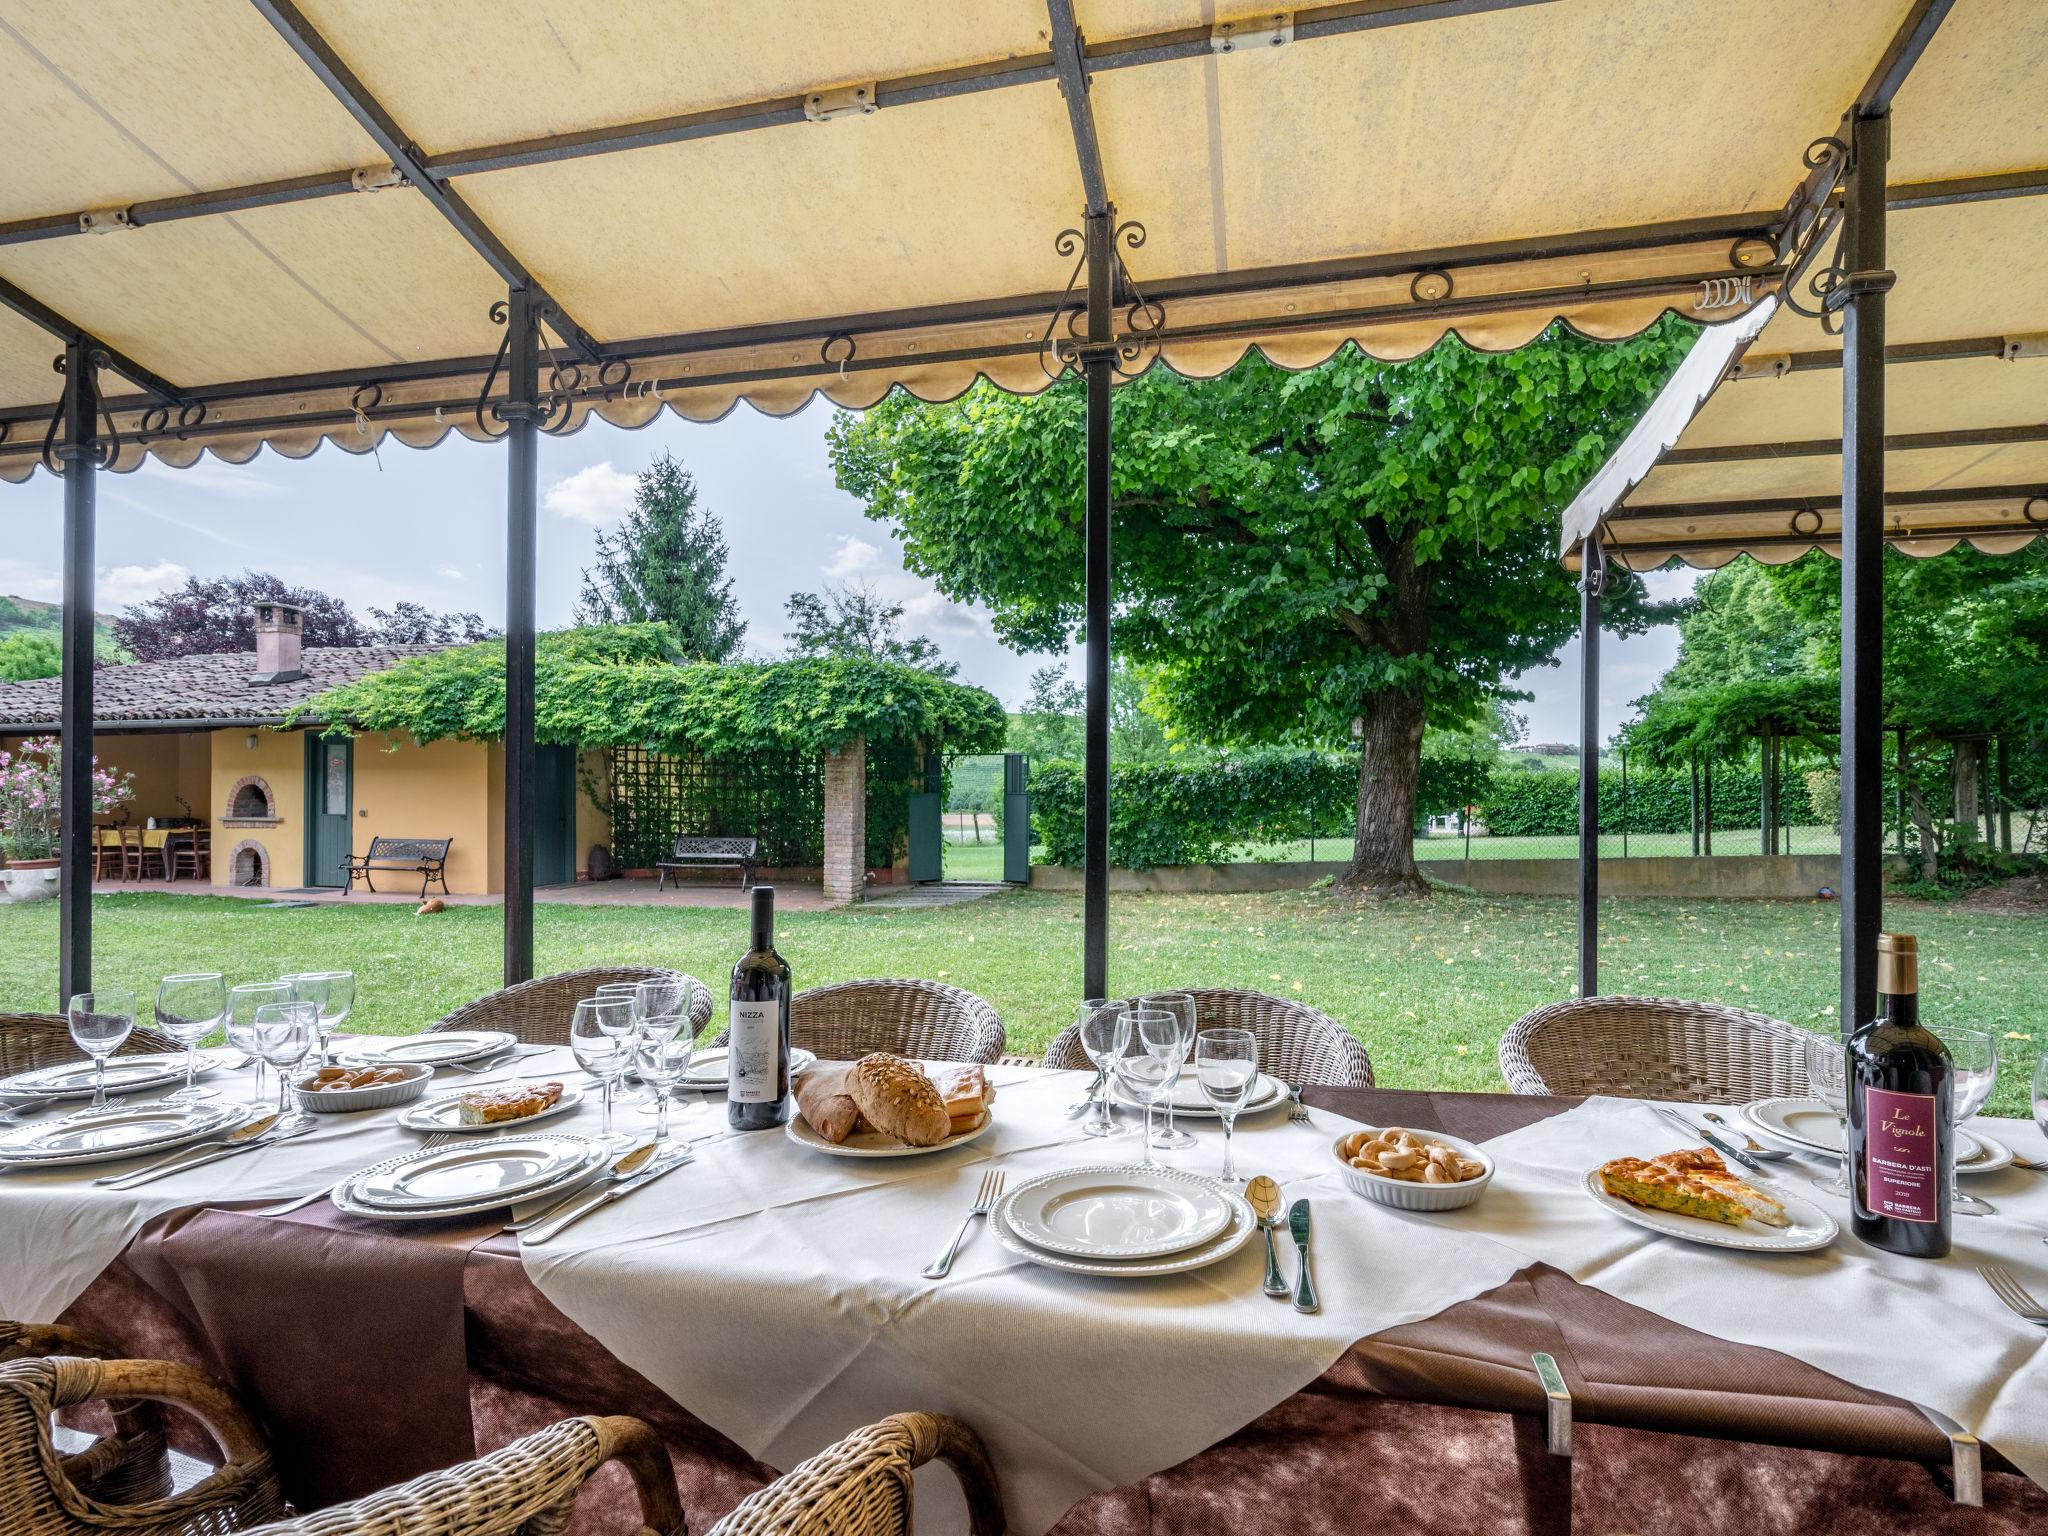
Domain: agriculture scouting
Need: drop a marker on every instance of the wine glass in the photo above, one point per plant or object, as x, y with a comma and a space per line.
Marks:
243, 1001
333, 995
2041, 1093
1181, 1006
662, 1039
189, 1008
283, 1035
1149, 1073
1827, 1074
600, 1037
100, 1022
1226, 1065
629, 990
1974, 1056
1105, 1030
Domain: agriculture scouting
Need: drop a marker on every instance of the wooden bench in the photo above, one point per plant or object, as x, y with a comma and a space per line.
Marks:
426, 857
709, 853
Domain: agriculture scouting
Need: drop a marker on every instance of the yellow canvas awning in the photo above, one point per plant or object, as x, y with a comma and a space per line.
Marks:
809, 198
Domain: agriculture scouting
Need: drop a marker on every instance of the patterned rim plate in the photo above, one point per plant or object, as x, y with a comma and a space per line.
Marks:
436, 1047
874, 1143
707, 1067
1811, 1226
125, 1074
1233, 1237
340, 1199
482, 1174
1118, 1212
121, 1133
439, 1114
1807, 1122
1188, 1103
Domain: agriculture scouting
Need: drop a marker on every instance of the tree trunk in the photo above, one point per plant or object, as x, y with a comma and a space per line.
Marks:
1923, 823
1389, 764
1962, 777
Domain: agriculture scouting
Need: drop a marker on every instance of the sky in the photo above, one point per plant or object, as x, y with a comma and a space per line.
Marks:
428, 526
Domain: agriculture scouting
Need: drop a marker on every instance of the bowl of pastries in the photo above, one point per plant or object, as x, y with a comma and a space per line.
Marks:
337, 1090
1413, 1170
890, 1106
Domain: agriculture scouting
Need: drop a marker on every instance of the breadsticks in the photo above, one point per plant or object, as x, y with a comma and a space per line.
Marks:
1403, 1155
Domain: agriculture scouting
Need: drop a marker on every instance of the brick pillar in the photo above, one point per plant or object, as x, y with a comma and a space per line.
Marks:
846, 821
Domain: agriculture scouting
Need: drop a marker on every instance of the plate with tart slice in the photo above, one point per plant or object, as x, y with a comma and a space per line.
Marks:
1691, 1194
493, 1107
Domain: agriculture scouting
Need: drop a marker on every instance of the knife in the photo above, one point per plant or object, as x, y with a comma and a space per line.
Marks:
233, 1149
1087, 1100
255, 1126
1725, 1148
1966, 1458
555, 1224
1304, 1286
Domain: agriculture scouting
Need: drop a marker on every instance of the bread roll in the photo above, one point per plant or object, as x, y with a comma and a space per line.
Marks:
898, 1100
965, 1091
822, 1099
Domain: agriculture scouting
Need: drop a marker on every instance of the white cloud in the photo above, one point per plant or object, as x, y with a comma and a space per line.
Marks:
22, 578
853, 559
596, 494
214, 476
125, 584
934, 614
452, 573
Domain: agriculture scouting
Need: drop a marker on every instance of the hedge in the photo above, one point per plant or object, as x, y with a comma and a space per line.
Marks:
1547, 804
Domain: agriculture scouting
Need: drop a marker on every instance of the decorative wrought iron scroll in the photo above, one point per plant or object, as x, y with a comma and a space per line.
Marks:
1064, 345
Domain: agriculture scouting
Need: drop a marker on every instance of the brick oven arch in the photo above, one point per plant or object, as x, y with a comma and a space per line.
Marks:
251, 802
248, 864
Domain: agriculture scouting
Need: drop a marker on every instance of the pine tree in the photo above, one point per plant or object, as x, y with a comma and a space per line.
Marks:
666, 564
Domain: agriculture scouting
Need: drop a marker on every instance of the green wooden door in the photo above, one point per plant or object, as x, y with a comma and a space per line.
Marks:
330, 799
1016, 821
554, 827
927, 853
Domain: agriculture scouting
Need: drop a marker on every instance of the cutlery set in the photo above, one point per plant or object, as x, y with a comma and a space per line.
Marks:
264, 1131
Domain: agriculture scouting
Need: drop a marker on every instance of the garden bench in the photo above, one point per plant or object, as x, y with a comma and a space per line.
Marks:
709, 853
426, 857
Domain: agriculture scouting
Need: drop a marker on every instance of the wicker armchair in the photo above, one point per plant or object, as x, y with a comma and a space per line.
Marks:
41, 1492
924, 1019
1654, 1048
538, 1012
130, 1466
1298, 1044
861, 1486
32, 1040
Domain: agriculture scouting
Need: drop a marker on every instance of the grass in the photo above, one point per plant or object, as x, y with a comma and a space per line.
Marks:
1428, 986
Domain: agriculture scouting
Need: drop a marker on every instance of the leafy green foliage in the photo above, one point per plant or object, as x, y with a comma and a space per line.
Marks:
30, 653
852, 619
665, 564
1547, 804
1719, 721
1052, 721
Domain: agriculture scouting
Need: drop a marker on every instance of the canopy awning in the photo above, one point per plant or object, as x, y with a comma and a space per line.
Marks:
1755, 465
289, 224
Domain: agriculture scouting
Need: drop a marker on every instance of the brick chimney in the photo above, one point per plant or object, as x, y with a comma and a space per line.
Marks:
277, 644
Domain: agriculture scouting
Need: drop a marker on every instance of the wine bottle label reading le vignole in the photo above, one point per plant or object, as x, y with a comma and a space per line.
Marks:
1899, 1153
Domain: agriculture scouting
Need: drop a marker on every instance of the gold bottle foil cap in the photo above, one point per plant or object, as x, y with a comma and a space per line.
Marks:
1898, 963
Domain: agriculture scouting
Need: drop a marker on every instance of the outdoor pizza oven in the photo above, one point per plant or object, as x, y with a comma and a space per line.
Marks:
251, 803
249, 863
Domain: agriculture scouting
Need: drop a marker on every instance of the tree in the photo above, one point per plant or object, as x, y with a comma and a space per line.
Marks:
30, 653
1361, 540
853, 620
208, 618
411, 624
1049, 728
666, 565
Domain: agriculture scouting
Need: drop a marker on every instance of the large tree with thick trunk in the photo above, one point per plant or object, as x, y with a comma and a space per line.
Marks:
1293, 552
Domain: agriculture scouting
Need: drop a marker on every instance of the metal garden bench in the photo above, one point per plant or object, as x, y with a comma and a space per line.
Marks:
426, 857
709, 853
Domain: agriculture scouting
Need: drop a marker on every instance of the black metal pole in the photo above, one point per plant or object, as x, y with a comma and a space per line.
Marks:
1592, 576
1899, 791
79, 454
1694, 806
1100, 232
522, 490
1707, 808
1863, 330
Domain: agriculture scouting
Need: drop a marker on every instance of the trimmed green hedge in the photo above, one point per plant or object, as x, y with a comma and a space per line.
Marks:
1547, 804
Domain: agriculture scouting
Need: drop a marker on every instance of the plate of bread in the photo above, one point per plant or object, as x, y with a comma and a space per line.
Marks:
492, 1108
887, 1106
1692, 1194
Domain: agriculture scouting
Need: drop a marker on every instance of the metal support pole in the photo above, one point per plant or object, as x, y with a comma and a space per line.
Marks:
1707, 808
1624, 805
522, 489
1592, 578
1899, 791
1861, 296
1100, 225
2004, 795
79, 454
1694, 806
1987, 793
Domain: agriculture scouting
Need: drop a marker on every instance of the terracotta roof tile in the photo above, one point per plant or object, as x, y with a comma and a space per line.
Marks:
206, 690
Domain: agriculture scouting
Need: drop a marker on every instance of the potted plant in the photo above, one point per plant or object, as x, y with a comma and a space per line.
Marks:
29, 822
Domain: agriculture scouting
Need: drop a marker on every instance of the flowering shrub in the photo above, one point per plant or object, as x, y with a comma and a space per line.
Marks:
29, 797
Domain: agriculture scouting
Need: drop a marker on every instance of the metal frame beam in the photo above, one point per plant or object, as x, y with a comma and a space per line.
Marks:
37, 313
1098, 357
1592, 581
1073, 78
1941, 496
79, 454
522, 412
1821, 447
327, 66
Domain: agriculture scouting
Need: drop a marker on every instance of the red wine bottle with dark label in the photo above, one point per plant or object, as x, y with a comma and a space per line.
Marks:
757, 1050
1901, 1116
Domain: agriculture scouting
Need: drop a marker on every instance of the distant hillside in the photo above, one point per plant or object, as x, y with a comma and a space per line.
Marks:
18, 613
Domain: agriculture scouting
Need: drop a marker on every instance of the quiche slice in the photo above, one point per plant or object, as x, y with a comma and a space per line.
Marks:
1705, 1165
1655, 1187
495, 1106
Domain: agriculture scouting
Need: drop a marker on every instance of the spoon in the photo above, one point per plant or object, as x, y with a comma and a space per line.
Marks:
1263, 1196
1750, 1144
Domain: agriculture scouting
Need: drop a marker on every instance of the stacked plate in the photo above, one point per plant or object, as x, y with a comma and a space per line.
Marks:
435, 1048
708, 1067
125, 1074
470, 1179
1190, 1103
119, 1133
1122, 1221
1809, 1123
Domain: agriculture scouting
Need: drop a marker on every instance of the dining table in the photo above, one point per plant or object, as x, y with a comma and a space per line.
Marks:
765, 1299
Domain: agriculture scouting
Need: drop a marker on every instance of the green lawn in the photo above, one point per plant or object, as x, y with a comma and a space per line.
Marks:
1428, 986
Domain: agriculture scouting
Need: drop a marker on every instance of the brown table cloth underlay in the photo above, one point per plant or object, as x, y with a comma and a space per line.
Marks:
375, 1351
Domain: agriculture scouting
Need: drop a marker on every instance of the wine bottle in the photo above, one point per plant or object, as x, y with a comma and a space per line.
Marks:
757, 1052
1901, 1116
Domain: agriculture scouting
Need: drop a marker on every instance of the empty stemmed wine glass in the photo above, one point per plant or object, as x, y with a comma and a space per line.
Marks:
1105, 1030
283, 1036
190, 1007
100, 1022
1827, 1074
601, 1038
662, 1039
1226, 1065
243, 1001
333, 995
1975, 1057
637, 1094
1182, 1007
1149, 1073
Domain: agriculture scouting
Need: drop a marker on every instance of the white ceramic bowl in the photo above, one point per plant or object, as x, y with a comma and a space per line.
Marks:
377, 1096
1404, 1196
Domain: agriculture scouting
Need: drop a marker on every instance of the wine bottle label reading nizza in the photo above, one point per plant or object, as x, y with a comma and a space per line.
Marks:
750, 1053
1900, 1154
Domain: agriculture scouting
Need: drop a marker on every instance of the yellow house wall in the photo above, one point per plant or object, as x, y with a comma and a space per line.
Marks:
592, 825
445, 789
279, 759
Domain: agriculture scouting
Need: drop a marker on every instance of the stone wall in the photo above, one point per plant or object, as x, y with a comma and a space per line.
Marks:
846, 821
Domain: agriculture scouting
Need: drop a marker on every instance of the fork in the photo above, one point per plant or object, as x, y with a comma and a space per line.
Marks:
985, 1198
1297, 1113
2013, 1294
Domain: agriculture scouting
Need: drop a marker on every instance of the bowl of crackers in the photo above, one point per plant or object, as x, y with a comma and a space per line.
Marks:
1413, 1170
337, 1090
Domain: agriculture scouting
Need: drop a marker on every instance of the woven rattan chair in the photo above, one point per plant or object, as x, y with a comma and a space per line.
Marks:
527, 1488
1654, 1048
1298, 1044
927, 1020
538, 1012
42, 1493
32, 1040
132, 1465
861, 1486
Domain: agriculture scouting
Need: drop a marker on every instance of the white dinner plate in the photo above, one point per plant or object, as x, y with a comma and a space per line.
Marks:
442, 1114
707, 1067
438, 1047
874, 1143
118, 1133
1189, 1103
1225, 1243
1811, 1227
125, 1074
502, 1170
1118, 1212
343, 1200
1809, 1123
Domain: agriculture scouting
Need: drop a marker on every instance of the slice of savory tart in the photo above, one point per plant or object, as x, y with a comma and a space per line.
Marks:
1655, 1187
